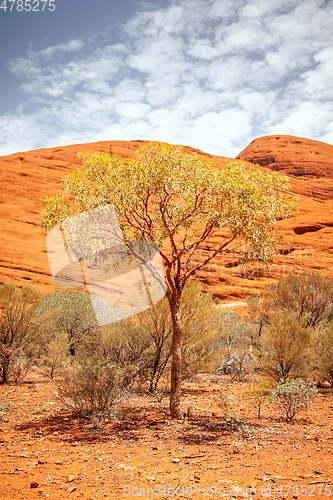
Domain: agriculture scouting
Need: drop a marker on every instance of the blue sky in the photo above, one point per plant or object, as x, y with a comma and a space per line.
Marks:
212, 74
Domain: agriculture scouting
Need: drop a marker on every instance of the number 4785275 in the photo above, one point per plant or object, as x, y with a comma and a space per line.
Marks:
27, 5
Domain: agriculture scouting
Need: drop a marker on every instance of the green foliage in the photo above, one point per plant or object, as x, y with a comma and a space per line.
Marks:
310, 295
91, 388
321, 353
164, 192
141, 346
123, 345
281, 348
197, 317
257, 393
75, 316
294, 334
56, 353
176, 200
23, 328
294, 396
156, 324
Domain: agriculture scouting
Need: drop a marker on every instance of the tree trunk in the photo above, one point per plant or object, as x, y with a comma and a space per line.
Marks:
5, 369
176, 358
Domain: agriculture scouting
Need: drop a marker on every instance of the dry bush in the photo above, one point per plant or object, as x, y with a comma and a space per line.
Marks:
281, 348
91, 388
234, 345
124, 345
56, 354
24, 328
321, 352
309, 295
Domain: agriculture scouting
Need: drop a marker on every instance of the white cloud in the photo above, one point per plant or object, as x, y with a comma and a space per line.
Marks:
70, 46
206, 73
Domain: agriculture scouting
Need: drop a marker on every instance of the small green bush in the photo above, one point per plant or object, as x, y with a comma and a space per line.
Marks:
258, 393
4, 407
294, 396
224, 401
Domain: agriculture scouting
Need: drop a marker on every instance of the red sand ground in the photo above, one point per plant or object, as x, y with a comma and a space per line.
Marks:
45, 453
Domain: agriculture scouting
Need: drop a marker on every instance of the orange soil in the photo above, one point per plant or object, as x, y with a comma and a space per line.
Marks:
46, 453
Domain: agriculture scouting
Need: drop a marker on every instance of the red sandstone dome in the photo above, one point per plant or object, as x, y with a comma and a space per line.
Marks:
307, 245
309, 163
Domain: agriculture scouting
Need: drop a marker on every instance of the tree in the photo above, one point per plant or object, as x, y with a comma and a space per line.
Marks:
281, 349
310, 295
234, 340
22, 325
177, 201
321, 353
75, 315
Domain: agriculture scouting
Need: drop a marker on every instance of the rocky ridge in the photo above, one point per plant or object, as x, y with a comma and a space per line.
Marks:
307, 245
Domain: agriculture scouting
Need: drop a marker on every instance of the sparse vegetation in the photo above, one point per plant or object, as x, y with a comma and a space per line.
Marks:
321, 353
257, 393
23, 329
308, 295
294, 396
161, 197
233, 341
91, 388
281, 348
224, 401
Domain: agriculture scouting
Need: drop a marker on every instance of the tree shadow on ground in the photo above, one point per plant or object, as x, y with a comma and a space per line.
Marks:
133, 424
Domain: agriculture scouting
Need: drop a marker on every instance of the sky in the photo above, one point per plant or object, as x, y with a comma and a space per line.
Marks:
211, 74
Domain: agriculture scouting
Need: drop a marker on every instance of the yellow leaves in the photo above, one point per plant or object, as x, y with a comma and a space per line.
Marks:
164, 192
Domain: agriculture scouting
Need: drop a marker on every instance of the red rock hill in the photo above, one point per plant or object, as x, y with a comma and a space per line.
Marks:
308, 162
27, 177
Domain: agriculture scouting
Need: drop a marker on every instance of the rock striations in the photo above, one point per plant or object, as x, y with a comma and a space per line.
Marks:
27, 177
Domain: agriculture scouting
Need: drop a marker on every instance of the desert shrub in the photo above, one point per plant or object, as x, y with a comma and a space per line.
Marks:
197, 313
308, 295
124, 345
257, 393
198, 317
55, 354
236, 446
24, 327
321, 352
75, 315
225, 401
4, 407
281, 348
157, 326
294, 396
234, 344
20, 367
91, 388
